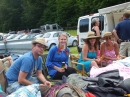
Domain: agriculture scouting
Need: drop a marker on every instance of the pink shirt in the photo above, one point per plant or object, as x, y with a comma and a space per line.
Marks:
110, 53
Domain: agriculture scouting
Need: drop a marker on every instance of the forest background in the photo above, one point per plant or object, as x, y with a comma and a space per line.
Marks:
27, 14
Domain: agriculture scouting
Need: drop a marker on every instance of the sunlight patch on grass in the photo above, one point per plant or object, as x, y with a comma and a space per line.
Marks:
73, 50
72, 32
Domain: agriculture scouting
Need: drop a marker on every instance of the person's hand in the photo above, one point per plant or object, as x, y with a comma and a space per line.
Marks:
41, 85
61, 70
65, 66
97, 60
47, 83
114, 59
119, 41
118, 58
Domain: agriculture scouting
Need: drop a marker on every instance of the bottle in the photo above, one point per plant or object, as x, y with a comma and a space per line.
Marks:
63, 64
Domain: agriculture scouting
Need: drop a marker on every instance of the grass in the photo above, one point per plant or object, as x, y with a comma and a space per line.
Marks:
73, 50
72, 32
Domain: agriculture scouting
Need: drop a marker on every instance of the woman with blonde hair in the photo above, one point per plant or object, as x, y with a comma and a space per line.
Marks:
109, 49
57, 59
88, 56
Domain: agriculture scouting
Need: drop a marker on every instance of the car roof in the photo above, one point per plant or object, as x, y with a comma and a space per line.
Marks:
57, 31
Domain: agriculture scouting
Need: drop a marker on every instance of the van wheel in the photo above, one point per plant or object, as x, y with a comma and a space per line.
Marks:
52, 45
75, 43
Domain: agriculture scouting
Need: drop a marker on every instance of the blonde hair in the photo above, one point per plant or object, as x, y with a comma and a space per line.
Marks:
62, 34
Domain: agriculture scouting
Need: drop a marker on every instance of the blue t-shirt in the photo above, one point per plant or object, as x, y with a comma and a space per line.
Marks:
55, 59
25, 63
124, 28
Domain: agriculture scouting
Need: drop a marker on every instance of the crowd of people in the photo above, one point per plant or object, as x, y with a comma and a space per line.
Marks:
20, 72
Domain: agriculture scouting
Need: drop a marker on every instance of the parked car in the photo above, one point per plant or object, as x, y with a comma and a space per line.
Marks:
29, 36
39, 35
51, 39
6, 35
51, 27
11, 36
21, 32
35, 31
18, 36
12, 32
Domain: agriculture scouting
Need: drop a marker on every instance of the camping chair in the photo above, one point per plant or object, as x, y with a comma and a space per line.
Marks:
74, 63
45, 70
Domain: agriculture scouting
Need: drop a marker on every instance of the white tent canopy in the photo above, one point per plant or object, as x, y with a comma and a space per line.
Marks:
115, 8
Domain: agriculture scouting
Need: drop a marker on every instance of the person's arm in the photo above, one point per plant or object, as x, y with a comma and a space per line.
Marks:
41, 77
22, 78
116, 50
115, 34
117, 30
24, 71
67, 59
50, 56
85, 52
59, 69
96, 28
102, 47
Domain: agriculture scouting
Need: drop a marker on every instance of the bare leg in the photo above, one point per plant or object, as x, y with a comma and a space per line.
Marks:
94, 64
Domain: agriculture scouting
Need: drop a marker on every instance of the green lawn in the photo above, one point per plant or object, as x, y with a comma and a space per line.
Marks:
72, 32
73, 50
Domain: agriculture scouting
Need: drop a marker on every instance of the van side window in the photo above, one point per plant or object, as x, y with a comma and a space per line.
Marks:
84, 25
54, 27
101, 20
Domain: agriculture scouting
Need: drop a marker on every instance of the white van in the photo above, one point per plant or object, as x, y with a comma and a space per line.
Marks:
108, 17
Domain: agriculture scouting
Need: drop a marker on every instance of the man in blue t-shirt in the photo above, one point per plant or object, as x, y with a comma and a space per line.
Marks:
20, 72
124, 28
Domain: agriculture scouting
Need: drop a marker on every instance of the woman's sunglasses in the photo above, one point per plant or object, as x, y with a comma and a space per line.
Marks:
108, 38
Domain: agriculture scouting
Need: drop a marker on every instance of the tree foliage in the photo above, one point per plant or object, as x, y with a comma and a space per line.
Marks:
28, 14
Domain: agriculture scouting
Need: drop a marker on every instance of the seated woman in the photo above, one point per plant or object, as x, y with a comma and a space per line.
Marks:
88, 56
109, 49
57, 56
